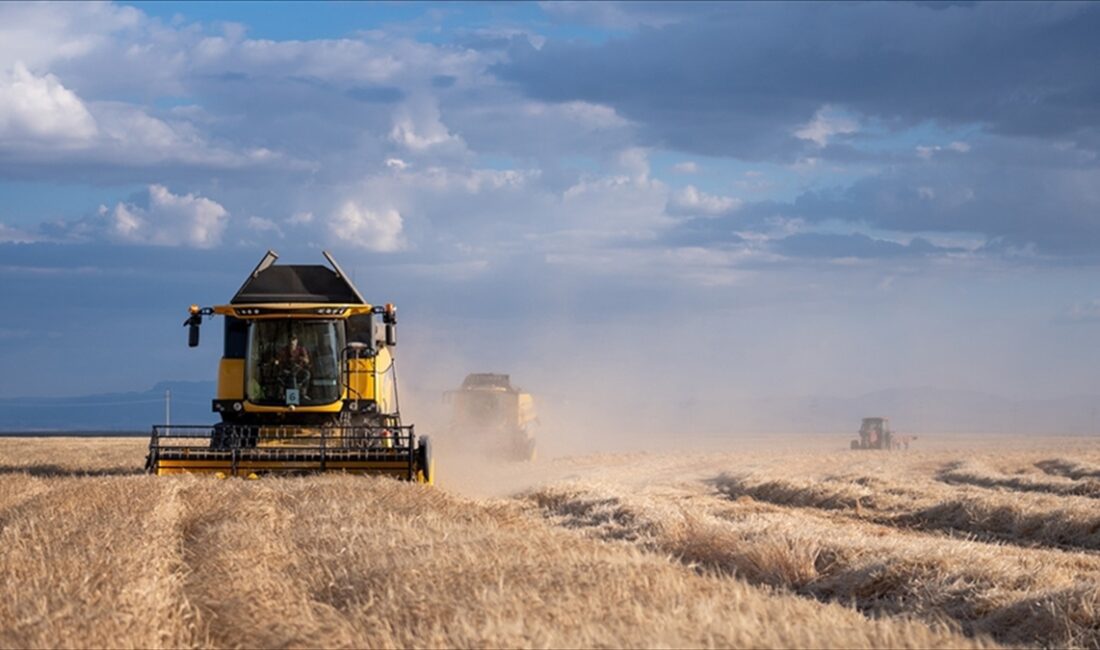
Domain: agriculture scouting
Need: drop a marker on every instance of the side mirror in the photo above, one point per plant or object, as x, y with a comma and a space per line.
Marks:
192, 324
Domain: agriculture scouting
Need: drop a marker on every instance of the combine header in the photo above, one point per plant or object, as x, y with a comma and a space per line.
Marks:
306, 384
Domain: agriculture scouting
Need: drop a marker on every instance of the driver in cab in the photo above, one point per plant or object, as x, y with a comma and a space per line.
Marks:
294, 359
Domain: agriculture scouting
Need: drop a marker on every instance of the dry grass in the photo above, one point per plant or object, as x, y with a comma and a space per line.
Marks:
91, 556
882, 532
971, 473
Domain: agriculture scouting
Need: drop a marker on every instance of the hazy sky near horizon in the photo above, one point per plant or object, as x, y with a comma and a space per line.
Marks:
659, 201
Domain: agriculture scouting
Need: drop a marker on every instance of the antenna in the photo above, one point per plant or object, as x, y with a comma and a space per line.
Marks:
167, 407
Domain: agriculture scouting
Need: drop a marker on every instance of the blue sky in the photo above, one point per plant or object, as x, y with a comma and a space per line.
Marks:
658, 199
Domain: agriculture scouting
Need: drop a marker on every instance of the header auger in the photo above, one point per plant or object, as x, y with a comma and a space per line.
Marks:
306, 384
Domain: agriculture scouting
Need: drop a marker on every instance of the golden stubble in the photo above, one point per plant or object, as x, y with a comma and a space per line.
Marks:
756, 549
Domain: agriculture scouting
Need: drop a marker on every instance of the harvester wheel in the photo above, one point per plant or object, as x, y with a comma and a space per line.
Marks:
425, 460
856, 445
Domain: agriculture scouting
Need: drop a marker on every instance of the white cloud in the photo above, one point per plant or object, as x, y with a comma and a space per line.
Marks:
16, 236
584, 114
375, 231
417, 126
43, 119
396, 164
826, 123
926, 152
41, 33
300, 218
259, 224
169, 220
40, 110
686, 167
692, 201
635, 162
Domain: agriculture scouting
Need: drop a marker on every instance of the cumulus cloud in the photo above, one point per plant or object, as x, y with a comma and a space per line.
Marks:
873, 59
9, 234
826, 123
38, 109
691, 201
261, 225
168, 220
41, 33
379, 231
417, 127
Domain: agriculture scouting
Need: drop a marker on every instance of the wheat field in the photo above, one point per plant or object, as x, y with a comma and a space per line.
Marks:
755, 543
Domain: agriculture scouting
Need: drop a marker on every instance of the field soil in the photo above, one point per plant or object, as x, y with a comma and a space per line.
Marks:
769, 542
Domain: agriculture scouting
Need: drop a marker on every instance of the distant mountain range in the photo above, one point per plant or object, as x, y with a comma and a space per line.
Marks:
911, 410
136, 411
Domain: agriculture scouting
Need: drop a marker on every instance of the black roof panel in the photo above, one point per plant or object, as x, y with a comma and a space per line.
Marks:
297, 283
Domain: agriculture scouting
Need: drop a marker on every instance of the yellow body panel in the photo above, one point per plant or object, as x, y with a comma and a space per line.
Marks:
334, 407
244, 468
291, 310
525, 409
369, 379
231, 379
361, 381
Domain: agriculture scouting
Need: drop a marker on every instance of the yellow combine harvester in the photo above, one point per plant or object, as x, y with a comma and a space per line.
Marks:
490, 413
306, 384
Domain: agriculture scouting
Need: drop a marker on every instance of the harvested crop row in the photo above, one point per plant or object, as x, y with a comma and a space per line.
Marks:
1069, 468
992, 515
82, 565
970, 473
1011, 594
361, 562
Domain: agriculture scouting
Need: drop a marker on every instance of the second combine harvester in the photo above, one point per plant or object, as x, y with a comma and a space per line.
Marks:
306, 383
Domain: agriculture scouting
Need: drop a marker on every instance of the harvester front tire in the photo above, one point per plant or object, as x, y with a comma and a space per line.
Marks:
425, 461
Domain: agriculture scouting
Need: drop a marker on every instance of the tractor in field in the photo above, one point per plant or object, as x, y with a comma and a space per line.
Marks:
875, 433
489, 413
306, 383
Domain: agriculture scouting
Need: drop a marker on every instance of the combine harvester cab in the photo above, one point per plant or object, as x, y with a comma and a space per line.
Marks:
875, 433
490, 413
306, 384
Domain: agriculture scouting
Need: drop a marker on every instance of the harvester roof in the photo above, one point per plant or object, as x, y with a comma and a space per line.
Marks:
304, 283
482, 380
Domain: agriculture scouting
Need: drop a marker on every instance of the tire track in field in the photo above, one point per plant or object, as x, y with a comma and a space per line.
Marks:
243, 575
157, 596
71, 563
15, 489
